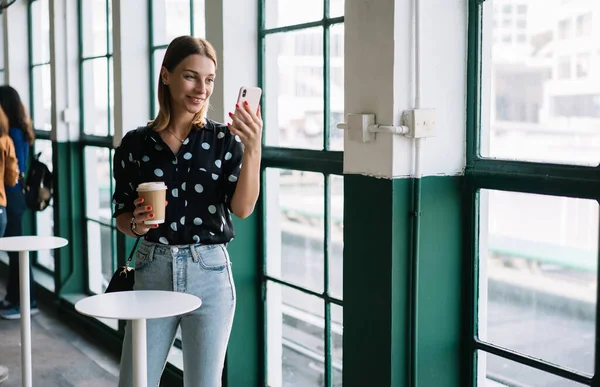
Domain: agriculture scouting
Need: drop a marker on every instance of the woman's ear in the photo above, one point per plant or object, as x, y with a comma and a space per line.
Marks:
164, 75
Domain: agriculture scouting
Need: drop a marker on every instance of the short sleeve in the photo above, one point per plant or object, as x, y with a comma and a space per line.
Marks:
232, 164
125, 171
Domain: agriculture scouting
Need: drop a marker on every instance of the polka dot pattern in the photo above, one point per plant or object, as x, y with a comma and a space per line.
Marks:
208, 160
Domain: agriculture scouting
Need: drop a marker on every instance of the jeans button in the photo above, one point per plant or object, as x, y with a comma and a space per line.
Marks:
175, 249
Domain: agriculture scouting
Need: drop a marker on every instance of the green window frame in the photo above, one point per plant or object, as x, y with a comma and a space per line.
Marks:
42, 133
324, 161
483, 173
90, 54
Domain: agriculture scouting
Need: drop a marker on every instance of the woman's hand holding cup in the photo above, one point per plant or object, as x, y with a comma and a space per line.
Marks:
141, 214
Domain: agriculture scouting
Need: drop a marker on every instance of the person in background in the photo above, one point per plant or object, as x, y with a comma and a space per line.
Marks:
20, 131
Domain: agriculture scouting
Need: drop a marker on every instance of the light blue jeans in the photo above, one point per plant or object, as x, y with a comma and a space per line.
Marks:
201, 270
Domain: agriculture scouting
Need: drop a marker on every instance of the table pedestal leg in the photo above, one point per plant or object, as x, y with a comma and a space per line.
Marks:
140, 372
25, 318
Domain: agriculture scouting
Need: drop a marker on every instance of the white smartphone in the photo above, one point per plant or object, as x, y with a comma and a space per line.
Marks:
250, 94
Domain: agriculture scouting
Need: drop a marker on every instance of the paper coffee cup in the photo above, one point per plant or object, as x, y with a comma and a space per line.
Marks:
155, 195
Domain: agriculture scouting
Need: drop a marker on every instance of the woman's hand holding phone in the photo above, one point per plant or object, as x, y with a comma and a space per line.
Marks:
246, 123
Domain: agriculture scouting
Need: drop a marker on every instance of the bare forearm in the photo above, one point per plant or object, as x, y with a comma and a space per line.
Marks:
248, 186
123, 224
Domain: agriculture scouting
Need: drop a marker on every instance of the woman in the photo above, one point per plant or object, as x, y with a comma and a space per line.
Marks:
9, 169
201, 163
21, 133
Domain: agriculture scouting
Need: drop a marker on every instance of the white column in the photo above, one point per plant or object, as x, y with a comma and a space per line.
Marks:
15, 49
231, 29
131, 58
64, 71
379, 78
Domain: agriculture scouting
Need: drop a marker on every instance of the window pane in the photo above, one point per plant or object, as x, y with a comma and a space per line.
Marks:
98, 184
285, 12
495, 371
95, 97
538, 274
40, 31
295, 338
336, 103
100, 248
199, 19
295, 227
336, 228
337, 339
336, 8
42, 100
157, 59
539, 109
171, 18
294, 89
44, 220
98, 208
94, 28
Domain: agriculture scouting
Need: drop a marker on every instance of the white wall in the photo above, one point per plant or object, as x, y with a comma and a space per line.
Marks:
379, 77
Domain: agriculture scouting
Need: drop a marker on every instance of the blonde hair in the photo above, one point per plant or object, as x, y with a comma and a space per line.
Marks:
179, 49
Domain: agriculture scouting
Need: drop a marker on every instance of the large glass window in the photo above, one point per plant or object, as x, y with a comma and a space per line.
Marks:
304, 88
40, 110
302, 78
532, 157
97, 126
170, 19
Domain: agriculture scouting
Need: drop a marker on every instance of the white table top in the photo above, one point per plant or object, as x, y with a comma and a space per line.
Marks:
136, 304
31, 243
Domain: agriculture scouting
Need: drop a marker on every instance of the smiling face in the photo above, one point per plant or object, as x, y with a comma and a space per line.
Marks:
190, 84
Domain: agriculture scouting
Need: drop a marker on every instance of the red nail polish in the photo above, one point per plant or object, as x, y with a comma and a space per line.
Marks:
228, 124
151, 215
246, 103
230, 114
237, 105
148, 208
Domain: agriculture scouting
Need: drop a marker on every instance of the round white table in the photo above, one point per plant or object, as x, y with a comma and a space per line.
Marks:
23, 245
137, 306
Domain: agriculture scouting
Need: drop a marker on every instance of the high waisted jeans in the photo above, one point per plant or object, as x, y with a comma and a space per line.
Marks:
201, 270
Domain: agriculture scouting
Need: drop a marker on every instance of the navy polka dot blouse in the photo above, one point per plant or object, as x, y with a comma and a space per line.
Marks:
201, 179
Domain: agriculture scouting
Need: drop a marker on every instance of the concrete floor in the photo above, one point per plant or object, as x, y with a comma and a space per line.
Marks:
61, 356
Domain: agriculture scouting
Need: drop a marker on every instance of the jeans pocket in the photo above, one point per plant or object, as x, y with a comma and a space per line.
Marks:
211, 257
142, 257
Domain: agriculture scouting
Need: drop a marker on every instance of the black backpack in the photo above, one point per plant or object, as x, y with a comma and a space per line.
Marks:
38, 186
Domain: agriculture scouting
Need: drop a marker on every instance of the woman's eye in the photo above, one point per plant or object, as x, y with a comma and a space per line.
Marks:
189, 77
210, 80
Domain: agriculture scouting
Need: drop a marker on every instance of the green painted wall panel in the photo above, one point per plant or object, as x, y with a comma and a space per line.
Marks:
440, 282
244, 354
377, 289
68, 217
375, 273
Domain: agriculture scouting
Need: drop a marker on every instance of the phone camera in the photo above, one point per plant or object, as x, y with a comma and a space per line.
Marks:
244, 93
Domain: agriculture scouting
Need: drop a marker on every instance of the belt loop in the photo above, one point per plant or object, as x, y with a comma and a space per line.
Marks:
194, 253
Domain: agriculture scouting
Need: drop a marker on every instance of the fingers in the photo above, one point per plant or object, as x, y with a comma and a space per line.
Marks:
143, 213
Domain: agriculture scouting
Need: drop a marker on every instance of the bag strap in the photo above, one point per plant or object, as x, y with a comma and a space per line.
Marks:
137, 241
